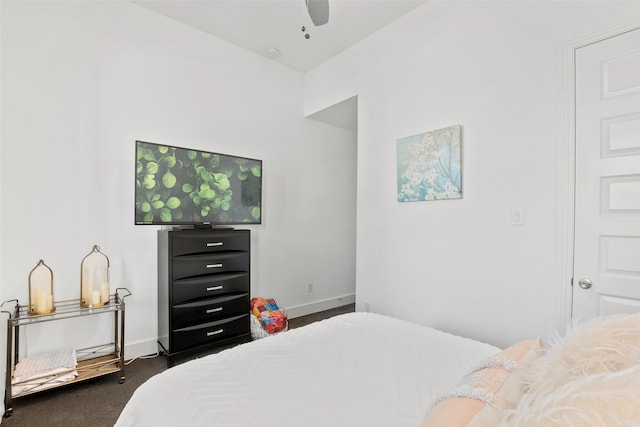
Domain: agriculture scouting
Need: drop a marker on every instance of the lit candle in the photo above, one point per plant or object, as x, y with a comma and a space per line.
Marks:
104, 293
41, 304
95, 297
49, 303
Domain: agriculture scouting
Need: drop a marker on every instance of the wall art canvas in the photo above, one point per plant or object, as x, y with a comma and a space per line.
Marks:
430, 165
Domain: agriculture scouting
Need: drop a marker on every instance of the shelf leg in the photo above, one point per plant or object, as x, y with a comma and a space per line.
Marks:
8, 404
122, 377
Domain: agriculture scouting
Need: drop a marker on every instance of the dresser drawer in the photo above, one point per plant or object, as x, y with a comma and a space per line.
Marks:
198, 265
209, 287
195, 242
210, 332
211, 309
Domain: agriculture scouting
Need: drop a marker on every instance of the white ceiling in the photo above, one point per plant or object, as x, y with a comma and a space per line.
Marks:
259, 25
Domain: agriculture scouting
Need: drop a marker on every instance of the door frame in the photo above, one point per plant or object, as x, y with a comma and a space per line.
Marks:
565, 173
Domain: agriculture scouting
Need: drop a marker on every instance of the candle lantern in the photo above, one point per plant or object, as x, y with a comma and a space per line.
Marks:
41, 290
94, 279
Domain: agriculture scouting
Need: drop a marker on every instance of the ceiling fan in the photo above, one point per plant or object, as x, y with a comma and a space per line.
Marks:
318, 11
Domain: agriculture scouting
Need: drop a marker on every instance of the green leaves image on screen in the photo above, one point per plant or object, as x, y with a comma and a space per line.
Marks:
178, 185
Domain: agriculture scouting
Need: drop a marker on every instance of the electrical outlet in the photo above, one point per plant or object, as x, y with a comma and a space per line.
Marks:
517, 216
309, 287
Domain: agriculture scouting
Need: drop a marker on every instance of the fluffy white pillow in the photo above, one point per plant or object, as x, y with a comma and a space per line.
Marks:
590, 377
600, 400
603, 344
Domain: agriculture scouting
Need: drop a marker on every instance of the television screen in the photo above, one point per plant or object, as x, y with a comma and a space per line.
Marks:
181, 186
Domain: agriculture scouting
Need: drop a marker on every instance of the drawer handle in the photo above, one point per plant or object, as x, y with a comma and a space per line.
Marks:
214, 310
210, 244
214, 288
219, 331
214, 265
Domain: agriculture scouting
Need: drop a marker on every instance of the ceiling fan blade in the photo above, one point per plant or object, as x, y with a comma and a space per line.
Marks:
318, 11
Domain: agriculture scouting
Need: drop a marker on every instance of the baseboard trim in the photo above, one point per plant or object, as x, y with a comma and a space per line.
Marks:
316, 306
140, 348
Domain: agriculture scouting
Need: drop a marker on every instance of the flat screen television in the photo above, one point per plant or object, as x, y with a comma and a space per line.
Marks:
182, 186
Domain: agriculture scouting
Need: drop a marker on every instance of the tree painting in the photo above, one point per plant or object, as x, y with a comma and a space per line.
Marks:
429, 165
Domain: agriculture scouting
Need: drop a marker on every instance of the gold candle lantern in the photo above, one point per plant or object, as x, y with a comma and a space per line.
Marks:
41, 290
94, 279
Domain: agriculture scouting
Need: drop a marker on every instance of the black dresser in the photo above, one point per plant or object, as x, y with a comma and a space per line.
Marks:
203, 290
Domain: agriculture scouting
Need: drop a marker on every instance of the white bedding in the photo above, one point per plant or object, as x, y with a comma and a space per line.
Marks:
357, 369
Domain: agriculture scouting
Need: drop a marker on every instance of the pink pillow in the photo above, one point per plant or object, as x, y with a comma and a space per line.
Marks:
460, 407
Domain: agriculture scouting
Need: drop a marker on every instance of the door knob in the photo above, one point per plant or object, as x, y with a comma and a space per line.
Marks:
585, 283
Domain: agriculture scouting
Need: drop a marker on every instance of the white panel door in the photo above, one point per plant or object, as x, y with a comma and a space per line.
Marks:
606, 276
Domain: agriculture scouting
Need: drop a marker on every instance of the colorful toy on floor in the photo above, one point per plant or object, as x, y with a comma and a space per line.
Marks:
271, 317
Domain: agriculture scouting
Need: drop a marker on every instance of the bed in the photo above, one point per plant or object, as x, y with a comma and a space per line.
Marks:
357, 369
364, 369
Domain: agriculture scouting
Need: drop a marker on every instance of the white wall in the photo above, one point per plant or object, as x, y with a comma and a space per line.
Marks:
81, 81
497, 69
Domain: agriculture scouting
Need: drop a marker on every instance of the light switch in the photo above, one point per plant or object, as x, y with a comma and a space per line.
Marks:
517, 216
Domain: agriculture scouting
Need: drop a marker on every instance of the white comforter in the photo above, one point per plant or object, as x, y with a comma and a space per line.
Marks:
358, 369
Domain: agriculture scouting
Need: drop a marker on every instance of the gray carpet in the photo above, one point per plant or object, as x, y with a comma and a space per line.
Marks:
94, 403
98, 402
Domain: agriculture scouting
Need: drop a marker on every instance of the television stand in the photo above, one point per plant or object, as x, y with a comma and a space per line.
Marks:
203, 227
203, 290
